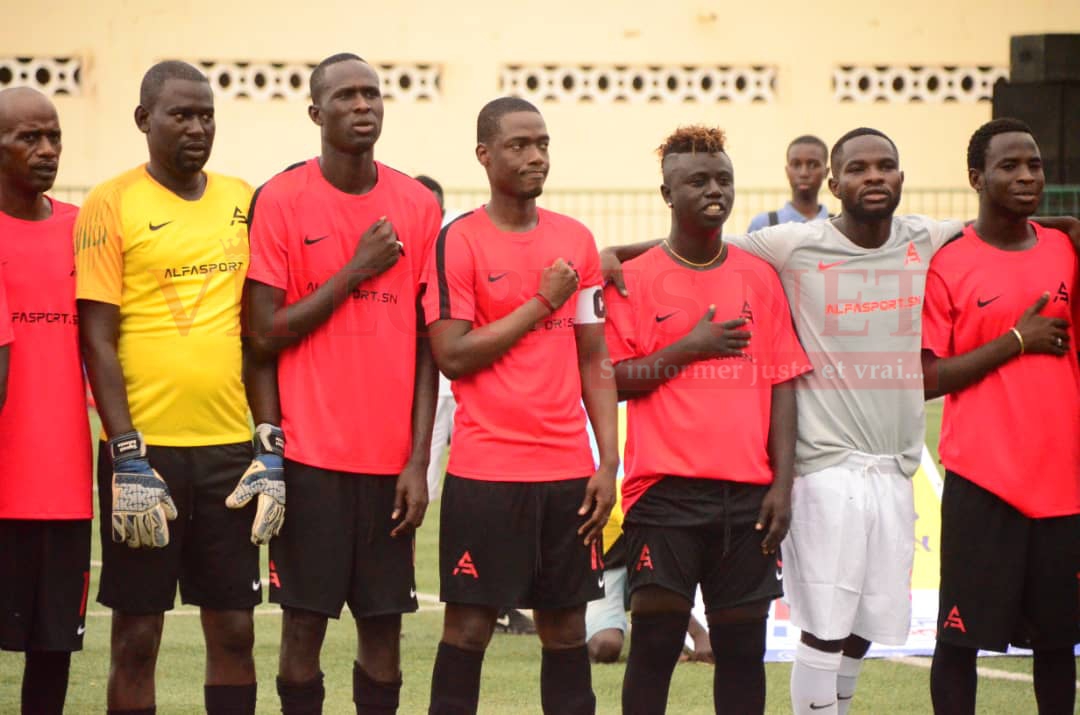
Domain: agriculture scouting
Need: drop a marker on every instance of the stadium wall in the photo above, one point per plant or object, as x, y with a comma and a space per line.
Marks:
765, 71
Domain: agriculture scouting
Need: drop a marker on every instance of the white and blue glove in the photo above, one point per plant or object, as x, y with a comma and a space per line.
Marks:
266, 478
141, 505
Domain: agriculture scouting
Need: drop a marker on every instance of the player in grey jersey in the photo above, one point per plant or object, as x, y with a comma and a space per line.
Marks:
855, 284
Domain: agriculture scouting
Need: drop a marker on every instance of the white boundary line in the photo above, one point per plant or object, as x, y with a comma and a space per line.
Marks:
983, 671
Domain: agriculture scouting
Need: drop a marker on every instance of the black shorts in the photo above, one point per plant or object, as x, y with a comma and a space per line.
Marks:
335, 547
712, 543
1005, 577
44, 578
516, 544
210, 552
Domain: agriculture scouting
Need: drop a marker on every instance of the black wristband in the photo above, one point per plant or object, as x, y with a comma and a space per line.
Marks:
129, 445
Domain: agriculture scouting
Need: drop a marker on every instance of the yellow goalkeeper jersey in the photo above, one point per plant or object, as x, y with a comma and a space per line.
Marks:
176, 269
613, 527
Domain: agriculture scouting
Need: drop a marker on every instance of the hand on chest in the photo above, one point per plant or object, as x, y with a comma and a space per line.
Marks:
995, 300
325, 243
671, 303
505, 278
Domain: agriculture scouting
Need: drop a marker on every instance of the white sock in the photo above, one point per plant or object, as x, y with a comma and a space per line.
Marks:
845, 683
813, 681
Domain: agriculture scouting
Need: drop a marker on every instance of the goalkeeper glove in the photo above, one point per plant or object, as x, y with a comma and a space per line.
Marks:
141, 505
265, 477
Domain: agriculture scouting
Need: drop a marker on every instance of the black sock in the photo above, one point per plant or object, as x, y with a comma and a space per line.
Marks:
1055, 681
656, 641
301, 698
373, 697
230, 699
953, 680
455, 682
739, 676
45, 681
566, 682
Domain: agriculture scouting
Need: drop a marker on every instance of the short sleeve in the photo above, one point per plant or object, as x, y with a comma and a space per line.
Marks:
590, 299
941, 232
7, 334
449, 277
773, 244
937, 315
99, 248
268, 232
429, 226
788, 358
590, 273
619, 329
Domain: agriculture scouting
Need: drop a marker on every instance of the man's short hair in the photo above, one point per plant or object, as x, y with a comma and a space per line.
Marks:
156, 76
809, 139
837, 150
430, 183
318, 75
487, 122
980, 140
693, 139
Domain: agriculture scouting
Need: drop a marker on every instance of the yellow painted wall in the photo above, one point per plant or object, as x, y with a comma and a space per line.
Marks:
595, 145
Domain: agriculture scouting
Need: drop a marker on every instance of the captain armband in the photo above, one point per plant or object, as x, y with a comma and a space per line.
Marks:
590, 306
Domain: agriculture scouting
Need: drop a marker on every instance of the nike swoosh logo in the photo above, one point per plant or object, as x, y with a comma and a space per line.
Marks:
984, 303
814, 706
600, 582
155, 227
312, 241
80, 630
256, 585
823, 266
492, 277
662, 318
412, 593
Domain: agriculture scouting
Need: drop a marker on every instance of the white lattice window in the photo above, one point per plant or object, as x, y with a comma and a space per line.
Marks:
616, 83
267, 81
49, 75
916, 84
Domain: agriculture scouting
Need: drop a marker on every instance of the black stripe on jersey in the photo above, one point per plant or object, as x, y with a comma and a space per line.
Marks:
952, 240
255, 196
440, 268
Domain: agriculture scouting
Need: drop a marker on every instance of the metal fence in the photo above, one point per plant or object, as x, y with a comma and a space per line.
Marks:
630, 215
1061, 201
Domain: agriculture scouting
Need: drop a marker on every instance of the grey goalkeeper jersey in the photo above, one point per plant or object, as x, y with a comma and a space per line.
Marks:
858, 313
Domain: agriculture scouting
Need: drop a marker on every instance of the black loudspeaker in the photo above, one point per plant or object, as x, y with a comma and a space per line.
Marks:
1039, 106
1044, 58
1070, 132
1052, 110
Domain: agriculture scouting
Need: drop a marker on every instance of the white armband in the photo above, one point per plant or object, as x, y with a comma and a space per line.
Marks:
590, 306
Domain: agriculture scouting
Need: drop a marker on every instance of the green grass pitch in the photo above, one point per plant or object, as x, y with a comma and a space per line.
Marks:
511, 669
